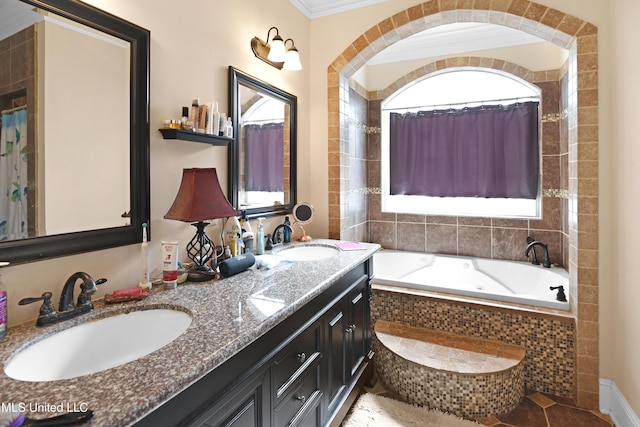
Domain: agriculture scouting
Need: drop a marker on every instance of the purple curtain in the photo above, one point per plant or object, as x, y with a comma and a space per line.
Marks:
488, 151
264, 157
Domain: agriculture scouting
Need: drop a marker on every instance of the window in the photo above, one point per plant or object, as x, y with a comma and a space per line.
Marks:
462, 142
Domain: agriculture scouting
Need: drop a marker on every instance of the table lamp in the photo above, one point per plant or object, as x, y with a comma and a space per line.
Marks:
199, 199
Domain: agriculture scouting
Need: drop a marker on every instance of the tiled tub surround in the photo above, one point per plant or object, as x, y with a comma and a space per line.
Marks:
549, 336
468, 377
124, 394
574, 134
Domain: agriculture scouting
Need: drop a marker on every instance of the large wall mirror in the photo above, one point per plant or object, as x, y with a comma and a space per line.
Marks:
74, 156
262, 159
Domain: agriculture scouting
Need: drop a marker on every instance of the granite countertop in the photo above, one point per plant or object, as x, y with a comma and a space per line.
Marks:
224, 322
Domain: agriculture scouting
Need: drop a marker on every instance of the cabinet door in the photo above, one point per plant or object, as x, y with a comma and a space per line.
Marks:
247, 405
358, 325
336, 348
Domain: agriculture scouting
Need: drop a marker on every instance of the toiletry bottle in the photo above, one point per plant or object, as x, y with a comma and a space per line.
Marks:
245, 226
195, 113
215, 117
3, 307
260, 238
229, 128
223, 123
208, 129
202, 120
184, 120
232, 232
287, 230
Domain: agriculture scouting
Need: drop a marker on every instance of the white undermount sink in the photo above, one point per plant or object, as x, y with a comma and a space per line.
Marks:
94, 346
308, 253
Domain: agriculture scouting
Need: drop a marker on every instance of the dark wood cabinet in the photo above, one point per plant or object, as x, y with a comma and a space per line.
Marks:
358, 339
246, 405
303, 372
347, 345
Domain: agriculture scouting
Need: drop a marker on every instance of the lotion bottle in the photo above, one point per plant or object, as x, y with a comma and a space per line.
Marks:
232, 232
260, 238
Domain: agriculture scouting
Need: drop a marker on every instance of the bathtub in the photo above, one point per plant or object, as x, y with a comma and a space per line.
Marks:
508, 281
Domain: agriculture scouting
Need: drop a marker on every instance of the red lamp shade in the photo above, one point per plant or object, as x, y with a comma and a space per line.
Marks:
200, 197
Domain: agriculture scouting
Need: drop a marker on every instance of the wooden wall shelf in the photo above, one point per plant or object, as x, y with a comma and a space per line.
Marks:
188, 135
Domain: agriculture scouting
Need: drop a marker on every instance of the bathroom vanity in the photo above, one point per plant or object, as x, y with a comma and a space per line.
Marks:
272, 347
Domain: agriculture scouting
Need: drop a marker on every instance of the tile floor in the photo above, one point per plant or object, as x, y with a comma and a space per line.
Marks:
535, 410
545, 410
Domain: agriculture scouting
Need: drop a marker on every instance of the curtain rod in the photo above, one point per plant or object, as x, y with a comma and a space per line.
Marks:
438, 106
13, 110
258, 121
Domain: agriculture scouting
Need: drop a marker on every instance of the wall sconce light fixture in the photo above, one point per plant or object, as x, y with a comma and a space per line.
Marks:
277, 54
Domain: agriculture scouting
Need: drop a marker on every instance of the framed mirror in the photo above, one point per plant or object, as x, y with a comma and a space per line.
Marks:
262, 159
78, 113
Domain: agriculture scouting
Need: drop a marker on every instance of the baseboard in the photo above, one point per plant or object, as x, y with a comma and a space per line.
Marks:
612, 402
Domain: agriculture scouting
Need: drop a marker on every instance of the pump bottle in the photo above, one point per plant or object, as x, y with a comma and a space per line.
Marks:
260, 238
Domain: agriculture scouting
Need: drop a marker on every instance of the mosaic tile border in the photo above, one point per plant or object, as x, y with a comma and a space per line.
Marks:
468, 396
546, 192
550, 341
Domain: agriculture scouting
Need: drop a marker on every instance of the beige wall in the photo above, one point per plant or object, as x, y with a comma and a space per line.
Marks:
619, 332
191, 50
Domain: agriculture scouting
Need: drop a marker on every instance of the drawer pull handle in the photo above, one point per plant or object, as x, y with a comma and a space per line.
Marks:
350, 329
301, 398
301, 357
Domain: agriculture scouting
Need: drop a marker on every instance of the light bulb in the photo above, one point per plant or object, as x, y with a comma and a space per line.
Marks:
277, 52
292, 60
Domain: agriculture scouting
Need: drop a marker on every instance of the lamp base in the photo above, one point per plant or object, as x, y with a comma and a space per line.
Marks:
202, 273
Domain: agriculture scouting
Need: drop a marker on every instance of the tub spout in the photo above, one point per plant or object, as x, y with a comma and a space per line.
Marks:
531, 246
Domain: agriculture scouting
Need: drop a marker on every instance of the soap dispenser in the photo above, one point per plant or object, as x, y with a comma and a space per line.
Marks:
260, 237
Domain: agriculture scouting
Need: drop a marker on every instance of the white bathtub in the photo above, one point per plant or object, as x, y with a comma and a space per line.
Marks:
509, 281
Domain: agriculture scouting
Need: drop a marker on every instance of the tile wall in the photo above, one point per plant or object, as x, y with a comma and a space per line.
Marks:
474, 236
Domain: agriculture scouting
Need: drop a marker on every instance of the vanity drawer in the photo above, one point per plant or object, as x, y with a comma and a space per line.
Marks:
299, 357
301, 407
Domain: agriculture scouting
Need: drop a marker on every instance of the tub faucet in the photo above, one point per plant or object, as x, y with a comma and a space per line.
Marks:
531, 246
66, 309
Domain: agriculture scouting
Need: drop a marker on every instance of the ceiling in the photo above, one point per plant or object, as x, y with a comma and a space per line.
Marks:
16, 16
443, 40
317, 8
453, 39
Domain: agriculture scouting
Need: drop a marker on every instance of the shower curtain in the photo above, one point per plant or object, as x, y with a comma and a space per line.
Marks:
13, 175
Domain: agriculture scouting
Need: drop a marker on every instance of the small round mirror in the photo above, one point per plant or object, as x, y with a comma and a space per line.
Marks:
303, 214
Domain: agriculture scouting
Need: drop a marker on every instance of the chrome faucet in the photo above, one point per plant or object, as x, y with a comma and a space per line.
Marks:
531, 246
66, 309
